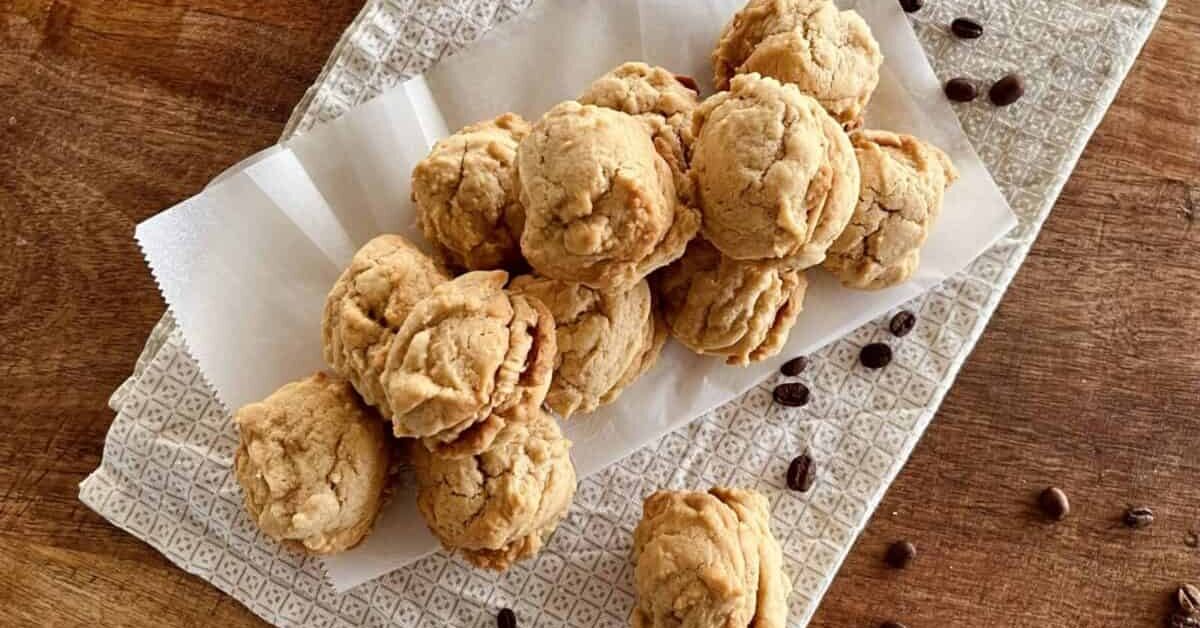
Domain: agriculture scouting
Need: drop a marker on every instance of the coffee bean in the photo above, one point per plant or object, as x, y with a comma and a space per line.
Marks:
1054, 503
892, 624
1183, 620
902, 323
794, 366
1188, 598
960, 90
901, 554
966, 28
688, 82
1007, 90
802, 473
911, 6
1138, 517
506, 618
875, 355
792, 394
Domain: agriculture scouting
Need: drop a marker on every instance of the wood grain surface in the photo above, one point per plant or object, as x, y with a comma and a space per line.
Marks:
1087, 378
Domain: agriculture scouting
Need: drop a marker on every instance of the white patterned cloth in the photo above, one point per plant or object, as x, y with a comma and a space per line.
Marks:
166, 474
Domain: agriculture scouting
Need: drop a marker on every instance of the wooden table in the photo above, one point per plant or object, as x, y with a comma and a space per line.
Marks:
1087, 378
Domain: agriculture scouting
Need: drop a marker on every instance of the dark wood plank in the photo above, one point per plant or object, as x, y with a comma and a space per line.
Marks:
111, 110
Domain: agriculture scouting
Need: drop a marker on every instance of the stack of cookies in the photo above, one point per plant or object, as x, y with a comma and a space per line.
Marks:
565, 251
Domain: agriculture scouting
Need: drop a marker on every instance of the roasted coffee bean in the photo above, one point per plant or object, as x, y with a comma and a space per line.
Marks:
911, 6
1188, 598
966, 28
892, 624
794, 366
1138, 517
902, 323
688, 82
802, 473
1183, 620
1007, 90
1054, 503
875, 355
961, 90
506, 618
791, 394
901, 554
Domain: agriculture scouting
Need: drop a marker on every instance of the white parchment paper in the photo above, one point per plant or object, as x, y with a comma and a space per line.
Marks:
246, 265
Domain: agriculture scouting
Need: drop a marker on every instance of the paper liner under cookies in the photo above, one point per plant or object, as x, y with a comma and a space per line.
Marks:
245, 265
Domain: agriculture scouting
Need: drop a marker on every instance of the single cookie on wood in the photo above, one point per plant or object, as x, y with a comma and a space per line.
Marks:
775, 176
742, 310
600, 202
829, 54
312, 460
368, 304
708, 559
501, 505
470, 358
466, 197
605, 339
903, 184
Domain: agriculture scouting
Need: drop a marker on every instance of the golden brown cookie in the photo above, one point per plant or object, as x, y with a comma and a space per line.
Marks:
499, 506
775, 176
469, 358
600, 202
829, 54
662, 101
312, 461
368, 304
466, 197
903, 184
743, 310
605, 340
708, 559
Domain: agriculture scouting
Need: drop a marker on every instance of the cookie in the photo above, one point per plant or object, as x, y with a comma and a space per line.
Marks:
662, 101
312, 460
466, 198
903, 185
742, 310
368, 304
501, 505
829, 54
469, 358
708, 559
775, 176
600, 202
605, 340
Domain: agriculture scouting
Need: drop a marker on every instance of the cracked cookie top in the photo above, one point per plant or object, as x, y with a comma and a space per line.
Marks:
903, 184
466, 197
366, 306
312, 461
469, 358
708, 559
600, 202
829, 54
775, 176
501, 505
605, 339
743, 310
662, 101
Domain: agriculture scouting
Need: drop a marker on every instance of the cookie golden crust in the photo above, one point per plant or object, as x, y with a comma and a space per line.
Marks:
742, 310
903, 185
662, 102
600, 202
499, 506
829, 54
466, 196
312, 461
605, 340
368, 304
775, 176
469, 358
708, 559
